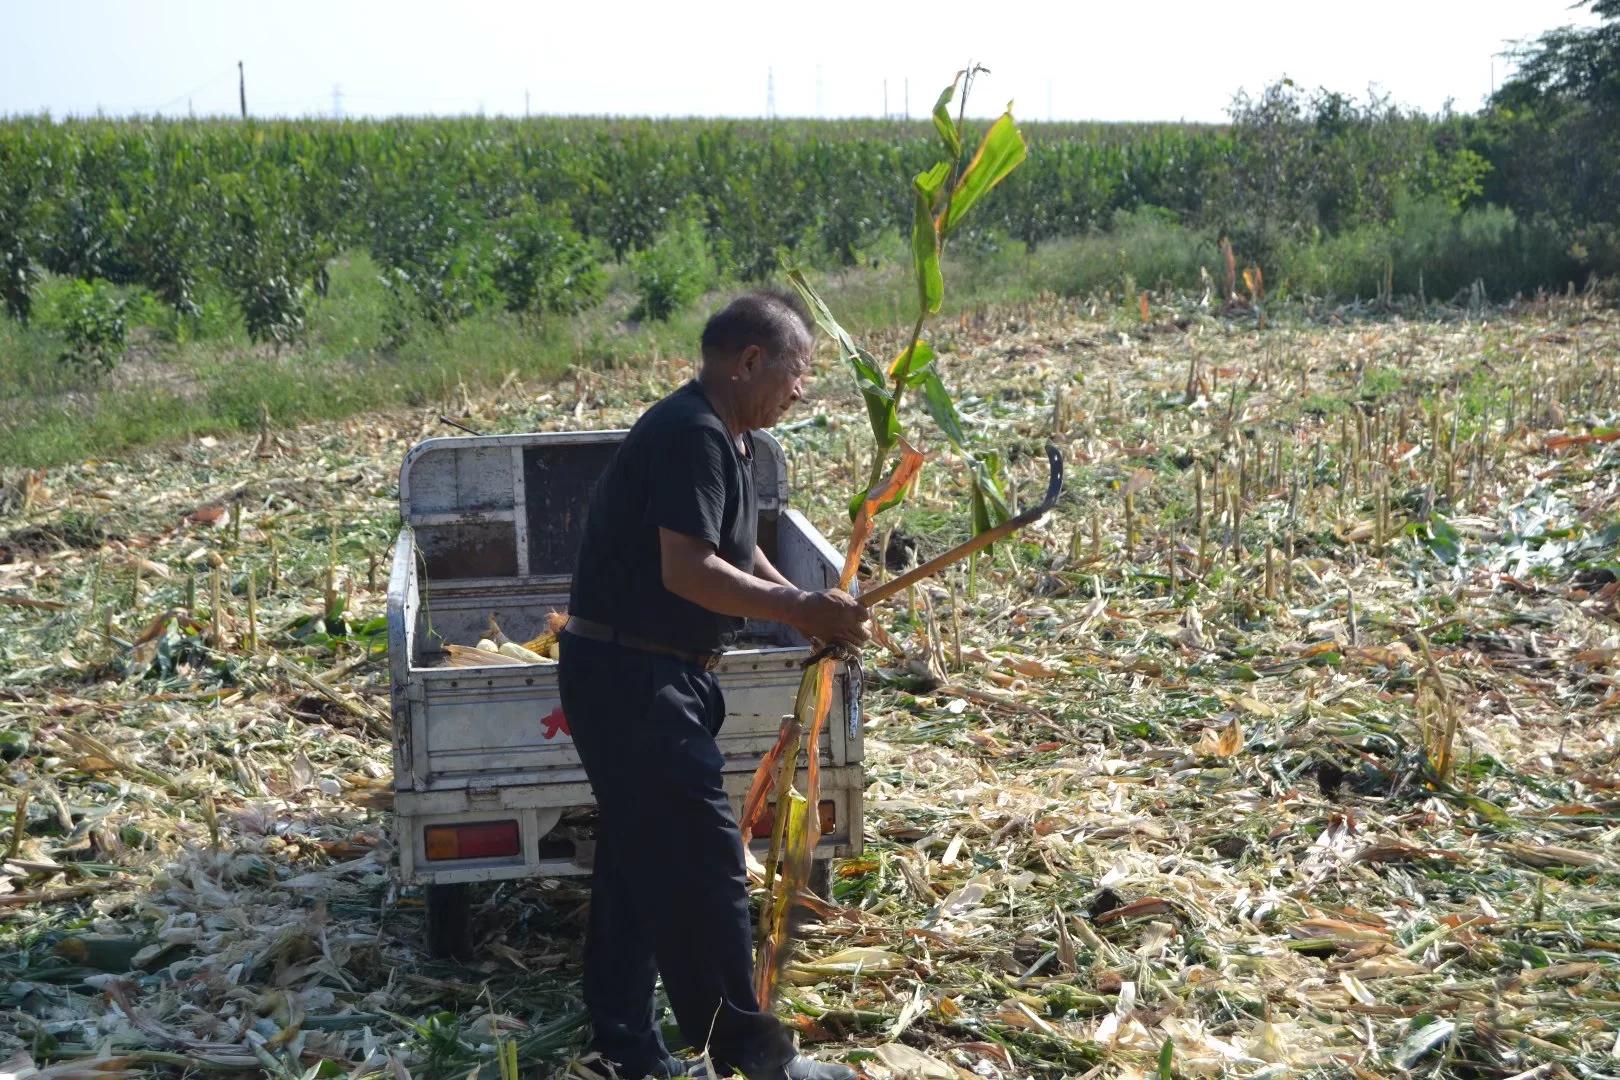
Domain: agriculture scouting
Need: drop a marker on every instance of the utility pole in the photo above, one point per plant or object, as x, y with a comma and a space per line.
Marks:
241, 88
885, 99
820, 102
525, 103
907, 98
770, 93
337, 101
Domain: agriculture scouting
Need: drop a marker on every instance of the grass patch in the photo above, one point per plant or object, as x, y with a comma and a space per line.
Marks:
186, 376
201, 376
1144, 249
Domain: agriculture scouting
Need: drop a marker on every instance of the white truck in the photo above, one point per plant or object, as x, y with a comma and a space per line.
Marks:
487, 784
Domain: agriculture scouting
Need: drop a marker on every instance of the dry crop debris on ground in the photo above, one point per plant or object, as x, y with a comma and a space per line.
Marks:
1287, 746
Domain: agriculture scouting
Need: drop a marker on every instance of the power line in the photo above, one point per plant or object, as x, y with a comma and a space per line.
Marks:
178, 98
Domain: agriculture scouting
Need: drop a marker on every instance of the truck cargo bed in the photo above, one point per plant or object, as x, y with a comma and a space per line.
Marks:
491, 525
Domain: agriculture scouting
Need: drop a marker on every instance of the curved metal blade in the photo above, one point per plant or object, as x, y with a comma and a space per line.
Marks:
1054, 487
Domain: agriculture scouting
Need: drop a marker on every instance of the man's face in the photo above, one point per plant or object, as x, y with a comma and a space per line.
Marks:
773, 384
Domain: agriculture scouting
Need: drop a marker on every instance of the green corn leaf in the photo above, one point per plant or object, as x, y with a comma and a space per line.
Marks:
854, 504
1444, 540
1167, 1057
925, 238
880, 405
824, 316
859, 498
1000, 152
925, 257
989, 502
980, 514
987, 475
941, 407
912, 363
929, 184
943, 122
888, 491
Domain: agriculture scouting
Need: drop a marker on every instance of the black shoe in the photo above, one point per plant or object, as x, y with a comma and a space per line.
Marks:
805, 1067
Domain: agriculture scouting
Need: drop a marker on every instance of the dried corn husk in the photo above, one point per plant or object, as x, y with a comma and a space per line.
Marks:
467, 656
527, 656
495, 633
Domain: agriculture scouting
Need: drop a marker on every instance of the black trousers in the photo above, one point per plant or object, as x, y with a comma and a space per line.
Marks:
669, 892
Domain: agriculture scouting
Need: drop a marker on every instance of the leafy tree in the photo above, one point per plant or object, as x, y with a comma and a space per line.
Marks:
434, 242
1568, 67
24, 209
1304, 165
1553, 132
265, 253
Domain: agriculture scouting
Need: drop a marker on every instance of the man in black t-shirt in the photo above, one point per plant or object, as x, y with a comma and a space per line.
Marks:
668, 569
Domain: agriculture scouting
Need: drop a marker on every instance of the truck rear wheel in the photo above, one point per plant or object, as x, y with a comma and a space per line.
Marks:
449, 921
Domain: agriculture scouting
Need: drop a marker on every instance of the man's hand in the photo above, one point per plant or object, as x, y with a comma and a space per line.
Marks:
691, 570
832, 615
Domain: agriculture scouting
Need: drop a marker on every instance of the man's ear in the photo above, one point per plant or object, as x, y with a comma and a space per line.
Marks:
750, 361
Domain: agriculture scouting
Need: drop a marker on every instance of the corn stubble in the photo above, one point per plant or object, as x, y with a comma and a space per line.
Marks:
1272, 830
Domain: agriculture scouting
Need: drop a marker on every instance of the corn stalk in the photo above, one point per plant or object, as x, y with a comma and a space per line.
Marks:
944, 195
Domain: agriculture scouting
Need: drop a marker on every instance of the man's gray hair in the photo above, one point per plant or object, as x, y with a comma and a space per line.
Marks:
775, 320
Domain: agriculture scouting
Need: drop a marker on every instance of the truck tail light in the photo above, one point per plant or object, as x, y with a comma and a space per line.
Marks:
484, 840
826, 811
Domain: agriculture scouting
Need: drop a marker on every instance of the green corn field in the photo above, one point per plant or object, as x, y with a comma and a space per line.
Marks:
466, 214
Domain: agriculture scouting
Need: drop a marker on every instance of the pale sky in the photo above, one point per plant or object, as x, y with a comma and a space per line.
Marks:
1067, 61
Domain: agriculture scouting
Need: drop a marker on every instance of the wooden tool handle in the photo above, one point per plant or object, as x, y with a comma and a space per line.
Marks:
933, 566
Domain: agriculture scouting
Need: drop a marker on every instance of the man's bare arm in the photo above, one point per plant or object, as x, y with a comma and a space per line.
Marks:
764, 568
692, 570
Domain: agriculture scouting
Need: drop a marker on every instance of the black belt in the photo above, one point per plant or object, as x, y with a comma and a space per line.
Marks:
595, 631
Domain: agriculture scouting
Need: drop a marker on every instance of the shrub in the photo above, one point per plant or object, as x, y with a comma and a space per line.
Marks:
91, 315
542, 264
1147, 244
674, 271
1433, 249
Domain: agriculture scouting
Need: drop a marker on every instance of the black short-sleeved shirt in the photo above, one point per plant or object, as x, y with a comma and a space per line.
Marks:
678, 469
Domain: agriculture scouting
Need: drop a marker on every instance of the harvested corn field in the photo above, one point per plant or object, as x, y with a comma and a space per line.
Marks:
1288, 745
